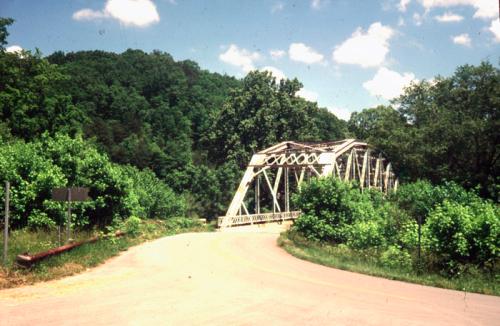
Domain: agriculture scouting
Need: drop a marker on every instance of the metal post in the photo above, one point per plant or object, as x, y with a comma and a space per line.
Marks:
257, 195
419, 243
59, 234
68, 224
287, 194
6, 225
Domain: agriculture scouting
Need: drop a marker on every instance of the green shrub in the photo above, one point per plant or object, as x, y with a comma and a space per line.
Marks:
179, 223
421, 197
407, 235
313, 228
35, 168
485, 234
448, 231
132, 225
365, 234
155, 198
395, 257
329, 207
459, 233
32, 178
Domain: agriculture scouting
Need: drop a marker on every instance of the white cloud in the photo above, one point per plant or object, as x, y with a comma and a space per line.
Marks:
485, 9
140, 13
449, 17
401, 22
495, 29
418, 19
278, 74
317, 4
403, 4
388, 84
302, 53
308, 95
365, 49
462, 39
14, 49
88, 14
341, 113
241, 58
277, 54
279, 6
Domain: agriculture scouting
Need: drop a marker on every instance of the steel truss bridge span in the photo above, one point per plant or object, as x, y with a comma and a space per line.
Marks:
263, 194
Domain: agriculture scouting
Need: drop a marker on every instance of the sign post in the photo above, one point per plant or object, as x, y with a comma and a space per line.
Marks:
6, 224
68, 223
71, 194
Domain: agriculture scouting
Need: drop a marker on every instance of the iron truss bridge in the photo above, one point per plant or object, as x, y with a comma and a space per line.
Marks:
264, 191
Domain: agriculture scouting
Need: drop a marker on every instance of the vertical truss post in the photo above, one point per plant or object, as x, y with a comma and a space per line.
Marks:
386, 181
287, 194
377, 172
257, 195
362, 178
348, 167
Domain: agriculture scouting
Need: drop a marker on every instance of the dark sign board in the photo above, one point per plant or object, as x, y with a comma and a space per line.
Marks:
77, 194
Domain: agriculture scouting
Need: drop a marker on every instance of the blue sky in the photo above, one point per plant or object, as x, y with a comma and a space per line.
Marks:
349, 55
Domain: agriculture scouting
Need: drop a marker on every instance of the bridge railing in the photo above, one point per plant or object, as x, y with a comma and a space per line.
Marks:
228, 221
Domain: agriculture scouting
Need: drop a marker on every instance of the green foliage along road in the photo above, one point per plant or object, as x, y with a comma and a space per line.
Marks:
117, 191
460, 230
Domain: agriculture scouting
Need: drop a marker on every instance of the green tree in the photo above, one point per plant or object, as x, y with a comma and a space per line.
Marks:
445, 130
261, 113
4, 33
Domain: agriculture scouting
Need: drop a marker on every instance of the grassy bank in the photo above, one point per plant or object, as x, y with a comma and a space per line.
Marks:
85, 256
367, 262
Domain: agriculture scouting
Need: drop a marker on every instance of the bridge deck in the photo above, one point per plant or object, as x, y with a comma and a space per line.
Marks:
228, 221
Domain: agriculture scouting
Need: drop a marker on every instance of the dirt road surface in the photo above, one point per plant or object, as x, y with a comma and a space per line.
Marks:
234, 278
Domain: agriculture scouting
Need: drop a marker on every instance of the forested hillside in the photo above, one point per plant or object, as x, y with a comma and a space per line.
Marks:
195, 129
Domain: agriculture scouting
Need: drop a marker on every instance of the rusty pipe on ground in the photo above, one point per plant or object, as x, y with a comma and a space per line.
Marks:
27, 260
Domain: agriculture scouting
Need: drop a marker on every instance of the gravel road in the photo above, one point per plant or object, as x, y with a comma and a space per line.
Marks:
234, 278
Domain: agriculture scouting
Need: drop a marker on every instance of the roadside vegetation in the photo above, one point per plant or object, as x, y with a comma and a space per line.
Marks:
365, 231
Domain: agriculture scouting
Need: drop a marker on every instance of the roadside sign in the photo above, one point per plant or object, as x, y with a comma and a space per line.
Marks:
75, 193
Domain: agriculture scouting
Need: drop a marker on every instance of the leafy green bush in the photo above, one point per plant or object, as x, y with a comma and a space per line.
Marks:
457, 233
365, 234
155, 198
132, 225
116, 192
421, 197
329, 206
460, 231
314, 228
31, 179
179, 223
395, 257
448, 230
486, 232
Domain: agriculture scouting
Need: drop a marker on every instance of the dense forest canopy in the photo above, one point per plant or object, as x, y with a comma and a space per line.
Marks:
196, 129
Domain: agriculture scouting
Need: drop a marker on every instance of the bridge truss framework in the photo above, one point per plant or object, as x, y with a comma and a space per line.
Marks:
273, 171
